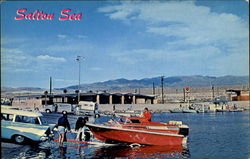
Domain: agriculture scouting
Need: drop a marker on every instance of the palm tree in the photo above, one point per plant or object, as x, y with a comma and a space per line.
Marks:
46, 93
65, 91
77, 92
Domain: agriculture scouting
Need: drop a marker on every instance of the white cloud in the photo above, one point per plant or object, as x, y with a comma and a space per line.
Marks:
64, 80
14, 57
61, 36
51, 58
12, 51
59, 82
197, 34
82, 36
96, 68
197, 24
69, 48
6, 40
144, 55
23, 70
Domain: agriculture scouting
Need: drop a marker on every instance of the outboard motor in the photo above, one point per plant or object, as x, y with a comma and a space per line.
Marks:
87, 136
184, 130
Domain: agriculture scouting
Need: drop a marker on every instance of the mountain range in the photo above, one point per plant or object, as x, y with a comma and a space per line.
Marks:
170, 82
174, 81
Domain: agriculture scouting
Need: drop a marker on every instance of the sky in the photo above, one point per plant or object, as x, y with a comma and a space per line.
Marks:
122, 39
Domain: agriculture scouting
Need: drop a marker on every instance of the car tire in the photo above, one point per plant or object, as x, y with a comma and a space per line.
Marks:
19, 139
97, 115
48, 111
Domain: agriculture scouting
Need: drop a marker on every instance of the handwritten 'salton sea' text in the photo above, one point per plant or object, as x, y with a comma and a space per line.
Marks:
40, 15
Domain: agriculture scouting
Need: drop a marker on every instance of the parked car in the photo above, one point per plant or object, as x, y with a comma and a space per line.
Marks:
59, 108
87, 108
49, 108
22, 126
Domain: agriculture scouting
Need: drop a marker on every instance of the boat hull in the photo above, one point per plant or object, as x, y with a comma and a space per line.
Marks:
175, 111
222, 110
189, 111
121, 135
236, 110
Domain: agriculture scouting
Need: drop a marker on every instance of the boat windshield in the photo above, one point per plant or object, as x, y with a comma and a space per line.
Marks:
124, 120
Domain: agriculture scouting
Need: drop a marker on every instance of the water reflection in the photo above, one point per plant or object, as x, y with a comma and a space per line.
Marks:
142, 152
62, 151
52, 150
34, 151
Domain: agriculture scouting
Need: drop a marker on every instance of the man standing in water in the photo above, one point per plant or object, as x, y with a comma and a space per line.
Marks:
147, 114
63, 124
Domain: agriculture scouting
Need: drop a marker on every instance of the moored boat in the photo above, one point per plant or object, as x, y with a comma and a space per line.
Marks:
176, 110
222, 110
189, 111
236, 110
140, 131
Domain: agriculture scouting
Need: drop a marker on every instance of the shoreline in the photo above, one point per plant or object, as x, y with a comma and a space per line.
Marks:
163, 107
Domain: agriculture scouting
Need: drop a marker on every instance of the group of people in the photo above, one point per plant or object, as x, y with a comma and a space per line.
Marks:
63, 125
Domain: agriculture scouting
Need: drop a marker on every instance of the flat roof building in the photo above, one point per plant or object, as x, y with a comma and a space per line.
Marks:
72, 98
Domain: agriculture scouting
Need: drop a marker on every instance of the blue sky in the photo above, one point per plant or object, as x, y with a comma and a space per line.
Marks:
123, 39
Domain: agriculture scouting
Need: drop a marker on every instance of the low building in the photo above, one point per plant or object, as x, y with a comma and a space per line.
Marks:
238, 95
27, 101
32, 101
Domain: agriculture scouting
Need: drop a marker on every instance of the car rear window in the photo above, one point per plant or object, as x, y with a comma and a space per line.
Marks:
7, 117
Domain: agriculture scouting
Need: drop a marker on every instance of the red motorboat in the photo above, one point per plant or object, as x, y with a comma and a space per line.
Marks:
139, 130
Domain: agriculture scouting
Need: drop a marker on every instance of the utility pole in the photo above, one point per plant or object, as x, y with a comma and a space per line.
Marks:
50, 86
162, 94
213, 92
78, 59
184, 95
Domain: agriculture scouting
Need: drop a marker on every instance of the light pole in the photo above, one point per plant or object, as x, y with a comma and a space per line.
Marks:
78, 59
212, 92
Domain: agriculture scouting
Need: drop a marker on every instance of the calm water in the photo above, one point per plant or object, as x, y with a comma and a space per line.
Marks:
212, 136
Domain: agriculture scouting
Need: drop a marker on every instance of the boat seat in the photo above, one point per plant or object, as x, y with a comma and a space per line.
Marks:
173, 122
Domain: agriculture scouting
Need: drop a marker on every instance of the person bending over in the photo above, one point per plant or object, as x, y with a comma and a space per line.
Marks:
79, 127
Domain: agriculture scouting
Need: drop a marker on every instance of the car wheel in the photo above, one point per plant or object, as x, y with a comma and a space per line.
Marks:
48, 111
19, 139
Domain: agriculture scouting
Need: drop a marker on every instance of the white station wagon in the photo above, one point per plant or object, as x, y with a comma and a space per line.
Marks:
21, 126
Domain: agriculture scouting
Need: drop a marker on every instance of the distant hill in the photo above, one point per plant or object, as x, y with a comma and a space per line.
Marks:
175, 81
125, 84
10, 89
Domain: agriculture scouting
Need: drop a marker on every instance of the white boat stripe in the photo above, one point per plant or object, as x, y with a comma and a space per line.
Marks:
141, 131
